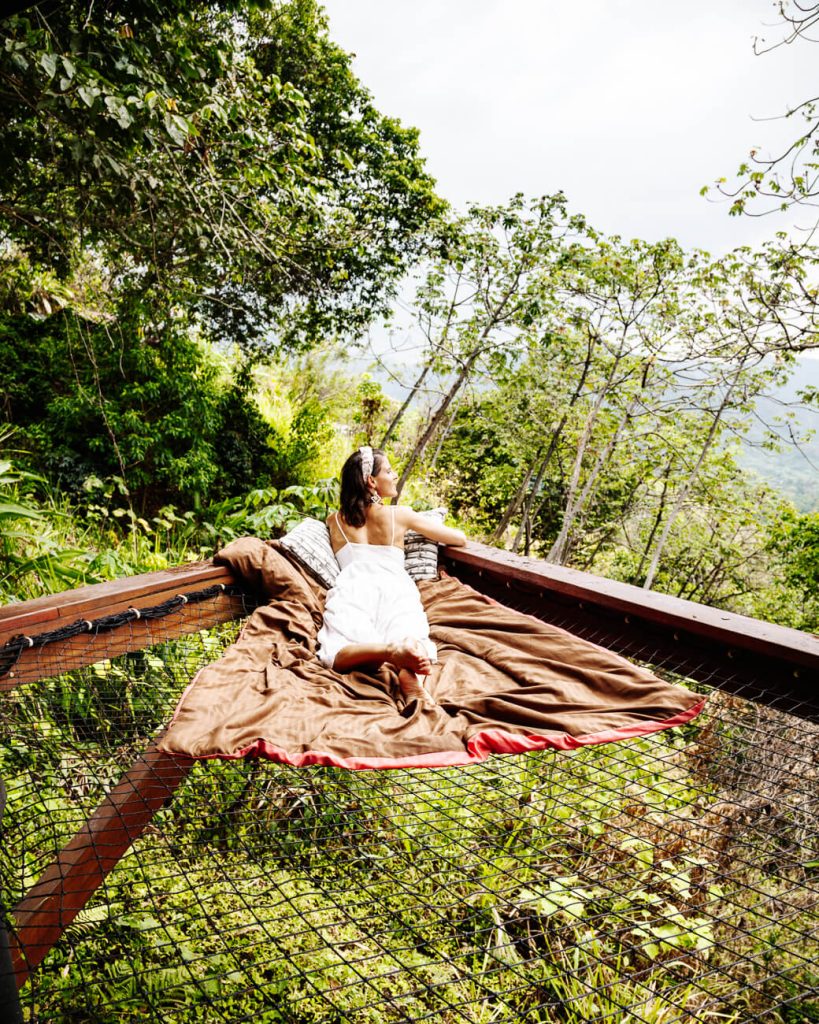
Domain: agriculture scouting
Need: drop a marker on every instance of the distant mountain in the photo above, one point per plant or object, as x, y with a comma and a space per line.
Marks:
793, 471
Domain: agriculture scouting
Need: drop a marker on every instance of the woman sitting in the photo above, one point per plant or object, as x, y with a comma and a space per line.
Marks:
373, 615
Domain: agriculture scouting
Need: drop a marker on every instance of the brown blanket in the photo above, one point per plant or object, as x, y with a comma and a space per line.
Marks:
505, 683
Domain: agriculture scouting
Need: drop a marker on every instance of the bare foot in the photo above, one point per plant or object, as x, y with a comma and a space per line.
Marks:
413, 689
411, 655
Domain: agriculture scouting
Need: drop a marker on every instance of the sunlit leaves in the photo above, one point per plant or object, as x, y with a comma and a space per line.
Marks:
212, 152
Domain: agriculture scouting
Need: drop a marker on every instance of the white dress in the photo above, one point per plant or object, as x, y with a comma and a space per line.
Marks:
373, 601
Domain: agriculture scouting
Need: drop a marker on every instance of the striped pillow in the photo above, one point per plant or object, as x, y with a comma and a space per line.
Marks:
309, 543
420, 553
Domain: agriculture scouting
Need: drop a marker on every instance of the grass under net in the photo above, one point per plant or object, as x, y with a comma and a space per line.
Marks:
669, 878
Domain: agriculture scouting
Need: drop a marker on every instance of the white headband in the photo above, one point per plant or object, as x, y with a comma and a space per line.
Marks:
366, 460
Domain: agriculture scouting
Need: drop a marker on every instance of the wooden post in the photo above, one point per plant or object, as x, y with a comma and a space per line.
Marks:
80, 867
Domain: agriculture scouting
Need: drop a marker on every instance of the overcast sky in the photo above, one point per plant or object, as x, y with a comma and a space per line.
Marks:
628, 106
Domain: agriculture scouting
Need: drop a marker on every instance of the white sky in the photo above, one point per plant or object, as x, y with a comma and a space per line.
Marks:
629, 106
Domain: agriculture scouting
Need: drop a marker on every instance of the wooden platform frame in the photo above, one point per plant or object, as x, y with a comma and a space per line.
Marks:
703, 640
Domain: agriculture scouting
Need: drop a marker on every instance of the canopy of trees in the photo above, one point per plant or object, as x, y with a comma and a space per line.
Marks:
176, 176
216, 154
586, 397
201, 205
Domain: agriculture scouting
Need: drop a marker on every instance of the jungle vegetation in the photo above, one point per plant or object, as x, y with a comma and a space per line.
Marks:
201, 214
202, 211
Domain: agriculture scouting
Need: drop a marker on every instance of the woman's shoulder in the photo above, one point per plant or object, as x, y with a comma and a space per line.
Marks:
403, 514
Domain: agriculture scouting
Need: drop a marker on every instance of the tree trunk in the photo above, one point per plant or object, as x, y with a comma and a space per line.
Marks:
416, 387
574, 505
655, 525
559, 545
528, 518
528, 515
572, 515
686, 488
494, 319
438, 416
515, 503
444, 434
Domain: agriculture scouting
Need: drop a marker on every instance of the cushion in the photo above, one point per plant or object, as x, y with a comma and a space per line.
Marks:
309, 543
420, 553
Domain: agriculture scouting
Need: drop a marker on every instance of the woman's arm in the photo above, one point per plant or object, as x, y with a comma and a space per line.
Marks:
431, 528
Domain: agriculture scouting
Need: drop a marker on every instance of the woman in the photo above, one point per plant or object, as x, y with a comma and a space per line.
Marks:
373, 614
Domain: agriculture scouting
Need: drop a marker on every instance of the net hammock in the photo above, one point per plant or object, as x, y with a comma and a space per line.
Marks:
671, 877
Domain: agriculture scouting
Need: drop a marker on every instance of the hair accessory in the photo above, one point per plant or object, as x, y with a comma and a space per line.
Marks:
366, 460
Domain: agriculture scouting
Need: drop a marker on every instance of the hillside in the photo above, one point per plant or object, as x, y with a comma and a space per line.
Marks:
794, 470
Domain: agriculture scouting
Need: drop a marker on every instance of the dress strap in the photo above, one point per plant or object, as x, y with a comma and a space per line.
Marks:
341, 528
392, 535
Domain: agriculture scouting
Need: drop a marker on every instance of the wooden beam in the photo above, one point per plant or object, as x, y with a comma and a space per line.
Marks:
145, 591
80, 867
87, 602
88, 649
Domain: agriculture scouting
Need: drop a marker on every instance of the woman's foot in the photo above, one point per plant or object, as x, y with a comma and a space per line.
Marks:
413, 689
411, 655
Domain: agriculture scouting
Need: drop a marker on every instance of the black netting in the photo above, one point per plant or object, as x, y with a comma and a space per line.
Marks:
668, 878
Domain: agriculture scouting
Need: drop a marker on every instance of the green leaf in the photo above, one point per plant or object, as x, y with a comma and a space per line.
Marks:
9, 508
48, 62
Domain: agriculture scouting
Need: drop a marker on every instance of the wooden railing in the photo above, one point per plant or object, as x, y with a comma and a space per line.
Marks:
700, 639
144, 591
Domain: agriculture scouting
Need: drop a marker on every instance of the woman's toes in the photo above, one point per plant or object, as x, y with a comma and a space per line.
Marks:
413, 689
411, 655
419, 658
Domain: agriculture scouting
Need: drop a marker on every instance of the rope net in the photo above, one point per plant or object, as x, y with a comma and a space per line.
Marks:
669, 878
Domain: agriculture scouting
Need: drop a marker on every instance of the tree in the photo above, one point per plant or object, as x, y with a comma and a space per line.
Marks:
217, 154
791, 177
177, 177
612, 435
484, 297
794, 538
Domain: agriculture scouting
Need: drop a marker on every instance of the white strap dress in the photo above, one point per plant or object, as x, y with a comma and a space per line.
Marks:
373, 601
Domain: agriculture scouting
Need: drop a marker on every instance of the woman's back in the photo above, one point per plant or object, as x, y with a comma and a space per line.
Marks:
379, 530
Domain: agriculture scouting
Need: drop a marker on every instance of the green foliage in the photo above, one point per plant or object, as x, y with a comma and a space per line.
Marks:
372, 409
48, 545
217, 154
794, 538
607, 441
529, 887
166, 414
99, 400
490, 291
177, 177
36, 555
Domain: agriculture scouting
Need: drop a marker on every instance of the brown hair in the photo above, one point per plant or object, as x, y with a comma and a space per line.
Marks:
355, 494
